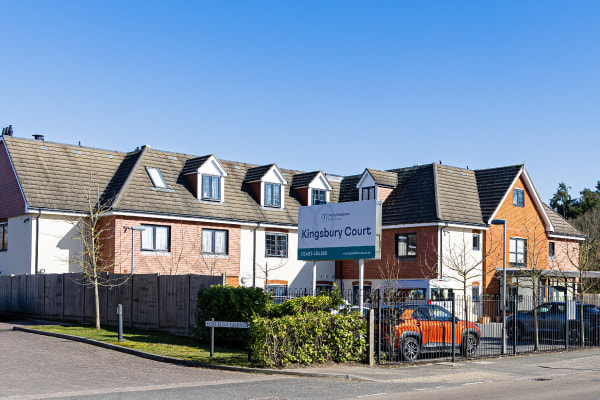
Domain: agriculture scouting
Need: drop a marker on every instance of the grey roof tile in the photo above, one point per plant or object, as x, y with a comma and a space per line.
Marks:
492, 185
384, 178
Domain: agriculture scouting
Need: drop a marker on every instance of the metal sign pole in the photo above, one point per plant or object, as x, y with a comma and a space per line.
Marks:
212, 339
361, 279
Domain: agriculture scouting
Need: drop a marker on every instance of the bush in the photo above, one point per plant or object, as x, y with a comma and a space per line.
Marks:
307, 304
307, 338
228, 303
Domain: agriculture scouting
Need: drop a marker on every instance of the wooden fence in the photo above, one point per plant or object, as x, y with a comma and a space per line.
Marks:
155, 302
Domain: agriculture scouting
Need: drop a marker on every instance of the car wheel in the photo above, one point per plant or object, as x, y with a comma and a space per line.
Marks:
469, 345
410, 348
574, 336
512, 331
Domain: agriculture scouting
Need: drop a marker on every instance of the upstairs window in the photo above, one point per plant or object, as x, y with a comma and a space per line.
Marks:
519, 197
211, 188
3, 237
276, 245
406, 245
368, 193
272, 195
476, 244
214, 241
518, 252
551, 250
319, 196
156, 177
156, 238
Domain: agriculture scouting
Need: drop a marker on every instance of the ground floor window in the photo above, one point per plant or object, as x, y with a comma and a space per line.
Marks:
3, 237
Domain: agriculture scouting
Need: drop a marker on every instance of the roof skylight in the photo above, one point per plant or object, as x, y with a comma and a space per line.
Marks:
157, 179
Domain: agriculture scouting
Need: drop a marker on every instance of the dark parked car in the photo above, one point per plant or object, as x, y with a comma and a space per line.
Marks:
551, 323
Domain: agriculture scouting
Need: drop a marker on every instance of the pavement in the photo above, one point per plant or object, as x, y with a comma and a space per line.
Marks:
467, 371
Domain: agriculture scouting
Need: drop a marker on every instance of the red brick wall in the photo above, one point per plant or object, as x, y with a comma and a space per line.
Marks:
11, 199
185, 256
424, 265
523, 222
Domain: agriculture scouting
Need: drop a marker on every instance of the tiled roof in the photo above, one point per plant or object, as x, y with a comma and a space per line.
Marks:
303, 180
492, 185
384, 178
191, 166
256, 173
561, 225
458, 199
413, 199
58, 176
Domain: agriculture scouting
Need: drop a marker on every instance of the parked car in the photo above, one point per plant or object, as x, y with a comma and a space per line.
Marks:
551, 323
410, 330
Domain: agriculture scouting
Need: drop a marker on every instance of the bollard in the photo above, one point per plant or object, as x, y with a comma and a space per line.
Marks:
212, 339
120, 319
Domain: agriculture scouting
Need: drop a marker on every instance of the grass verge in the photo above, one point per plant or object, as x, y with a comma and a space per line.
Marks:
159, 343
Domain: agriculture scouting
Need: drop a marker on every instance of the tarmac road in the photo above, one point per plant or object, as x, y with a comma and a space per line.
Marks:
39, 367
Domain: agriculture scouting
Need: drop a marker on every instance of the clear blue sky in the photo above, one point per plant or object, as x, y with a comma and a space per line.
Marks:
332, 85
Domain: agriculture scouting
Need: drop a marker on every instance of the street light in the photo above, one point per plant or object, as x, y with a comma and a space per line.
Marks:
133, 229
503, 223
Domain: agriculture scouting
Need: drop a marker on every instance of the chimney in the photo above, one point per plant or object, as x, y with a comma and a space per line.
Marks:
38, 137
7, 131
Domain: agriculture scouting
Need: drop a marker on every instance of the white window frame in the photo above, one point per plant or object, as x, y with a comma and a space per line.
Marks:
276, 237
518, 197
212, 196
318, 192
4, 236
476, 241
157, 178
513, 252
280, 201
153, 229
213, 241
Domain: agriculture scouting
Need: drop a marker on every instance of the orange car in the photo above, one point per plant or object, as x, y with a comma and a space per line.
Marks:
424, 328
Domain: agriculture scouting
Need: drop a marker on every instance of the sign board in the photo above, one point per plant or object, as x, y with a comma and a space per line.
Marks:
226, 324
340, 231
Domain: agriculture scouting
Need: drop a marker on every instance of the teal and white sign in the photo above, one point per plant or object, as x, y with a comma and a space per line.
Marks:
340, 231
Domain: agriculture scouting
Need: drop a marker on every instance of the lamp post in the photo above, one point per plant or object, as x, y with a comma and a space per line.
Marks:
133, 229
503, 223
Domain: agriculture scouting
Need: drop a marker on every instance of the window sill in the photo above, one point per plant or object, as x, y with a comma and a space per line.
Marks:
211, 201
155, 253
274, 256
213, 255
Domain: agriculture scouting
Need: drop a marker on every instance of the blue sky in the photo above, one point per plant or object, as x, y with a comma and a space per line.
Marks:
332, 85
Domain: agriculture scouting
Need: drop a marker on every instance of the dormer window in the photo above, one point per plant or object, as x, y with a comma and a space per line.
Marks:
319, 196
267, 184
156, 177
272, 195
368, 193
312, 188
211, 188
206, 177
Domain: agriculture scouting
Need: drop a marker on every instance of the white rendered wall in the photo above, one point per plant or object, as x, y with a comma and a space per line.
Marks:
18, 258
297, 273
57, 245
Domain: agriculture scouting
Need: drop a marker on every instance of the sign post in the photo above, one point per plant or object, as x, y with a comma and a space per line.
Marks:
212, 324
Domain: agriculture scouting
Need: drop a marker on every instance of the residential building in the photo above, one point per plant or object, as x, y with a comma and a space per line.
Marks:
200, 214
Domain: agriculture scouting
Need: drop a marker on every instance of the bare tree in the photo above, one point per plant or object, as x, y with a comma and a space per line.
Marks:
531, 259
581, 258
266, 269
463, 264
95, 231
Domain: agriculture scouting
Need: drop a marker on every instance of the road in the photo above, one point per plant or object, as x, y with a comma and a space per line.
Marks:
40, 367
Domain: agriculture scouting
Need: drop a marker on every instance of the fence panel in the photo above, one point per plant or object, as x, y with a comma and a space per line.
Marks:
53, 296
173, 303
35, 295
145, 301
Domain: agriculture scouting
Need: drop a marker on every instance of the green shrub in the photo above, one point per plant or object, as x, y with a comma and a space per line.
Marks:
307, 338
228, 303
307, 304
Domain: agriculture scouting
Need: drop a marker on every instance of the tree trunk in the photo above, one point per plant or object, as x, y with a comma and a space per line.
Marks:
97, 302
